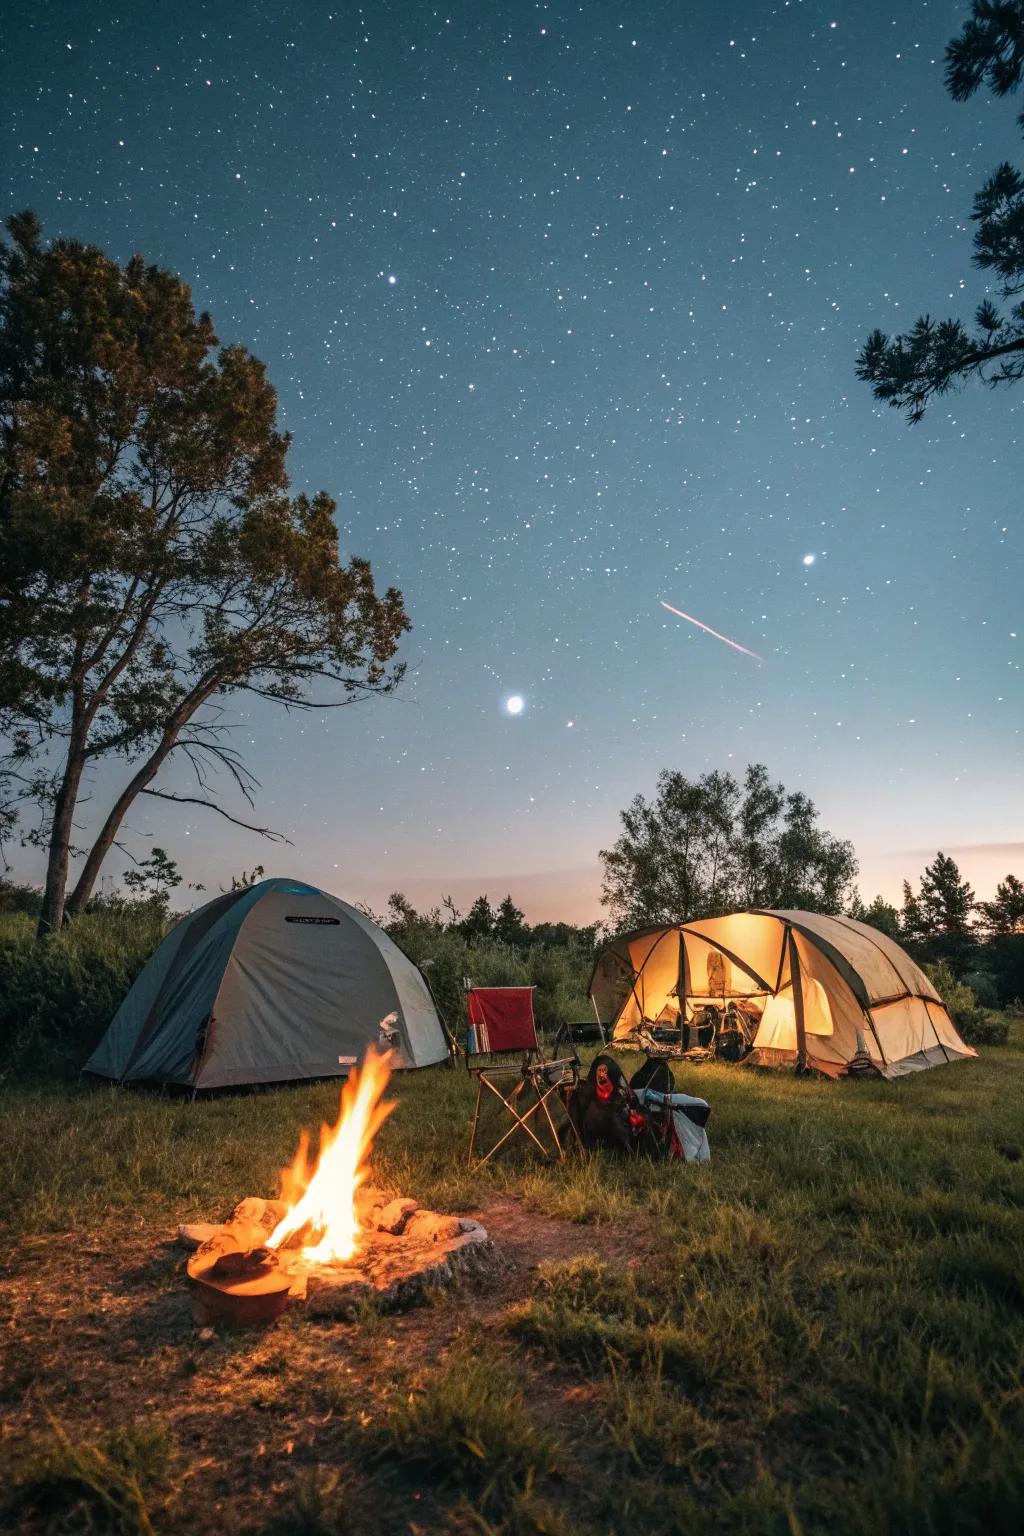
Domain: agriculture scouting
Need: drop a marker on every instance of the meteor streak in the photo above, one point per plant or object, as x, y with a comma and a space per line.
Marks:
709, 631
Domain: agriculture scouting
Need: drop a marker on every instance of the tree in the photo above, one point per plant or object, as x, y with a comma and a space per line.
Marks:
710, 845
945, 901
932, 357
1005, 914
912, 923
154, 878
936, 919
152, 562
510, 924
478, 922
882, 915
247, 879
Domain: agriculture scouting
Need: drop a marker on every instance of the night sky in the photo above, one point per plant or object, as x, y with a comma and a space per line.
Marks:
562, 303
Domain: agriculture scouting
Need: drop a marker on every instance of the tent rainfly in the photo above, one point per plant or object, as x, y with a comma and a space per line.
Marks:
815, 983
268, 984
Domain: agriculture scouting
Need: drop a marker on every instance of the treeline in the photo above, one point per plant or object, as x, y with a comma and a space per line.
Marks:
495, 946
942, 923
57, 998
714, 844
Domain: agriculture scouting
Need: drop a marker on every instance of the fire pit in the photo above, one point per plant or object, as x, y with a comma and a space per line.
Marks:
332, 1240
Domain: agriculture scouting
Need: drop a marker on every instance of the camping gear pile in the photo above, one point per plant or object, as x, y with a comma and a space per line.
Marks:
645, 1115
820, 993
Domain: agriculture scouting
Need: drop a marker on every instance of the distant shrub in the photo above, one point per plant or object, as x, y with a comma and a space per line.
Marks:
984, 987
975, 1024
20, 898
57, 997
1004, 961
559, 973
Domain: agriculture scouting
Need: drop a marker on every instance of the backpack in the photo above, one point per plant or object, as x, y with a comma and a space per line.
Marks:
654, 1074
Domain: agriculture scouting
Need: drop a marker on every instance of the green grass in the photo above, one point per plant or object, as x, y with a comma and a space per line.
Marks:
466, 1426
825, 1330
94, 1485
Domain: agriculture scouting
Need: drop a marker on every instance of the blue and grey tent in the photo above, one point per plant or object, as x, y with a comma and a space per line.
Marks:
268, 984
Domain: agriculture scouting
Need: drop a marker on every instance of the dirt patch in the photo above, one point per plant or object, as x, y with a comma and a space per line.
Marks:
99, 1332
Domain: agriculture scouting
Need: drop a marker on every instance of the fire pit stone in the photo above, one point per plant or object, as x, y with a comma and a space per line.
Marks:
394, 1216
429, 1227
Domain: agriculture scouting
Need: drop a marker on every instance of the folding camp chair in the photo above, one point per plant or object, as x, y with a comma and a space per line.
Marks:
505, 1057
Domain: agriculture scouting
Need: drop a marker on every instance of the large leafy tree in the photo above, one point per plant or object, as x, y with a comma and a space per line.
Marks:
909, 370
709, 845
152, 560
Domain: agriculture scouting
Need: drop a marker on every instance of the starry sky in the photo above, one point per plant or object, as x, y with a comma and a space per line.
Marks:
562, 302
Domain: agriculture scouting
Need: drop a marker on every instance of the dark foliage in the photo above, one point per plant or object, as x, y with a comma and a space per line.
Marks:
711, 845
152, 560
910, 370
56, 999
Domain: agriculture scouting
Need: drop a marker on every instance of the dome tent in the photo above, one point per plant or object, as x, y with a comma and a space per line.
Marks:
816, 982
270, 983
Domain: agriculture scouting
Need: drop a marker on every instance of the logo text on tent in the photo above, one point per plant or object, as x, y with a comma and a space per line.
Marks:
317, 922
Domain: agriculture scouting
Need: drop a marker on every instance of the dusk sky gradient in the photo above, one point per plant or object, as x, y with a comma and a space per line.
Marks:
562, 303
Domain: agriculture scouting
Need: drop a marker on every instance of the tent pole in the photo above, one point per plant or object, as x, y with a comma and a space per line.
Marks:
600, 1024
798, 1004
875, 1035
683, 988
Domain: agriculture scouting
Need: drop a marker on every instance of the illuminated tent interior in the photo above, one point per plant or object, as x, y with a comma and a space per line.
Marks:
808, 988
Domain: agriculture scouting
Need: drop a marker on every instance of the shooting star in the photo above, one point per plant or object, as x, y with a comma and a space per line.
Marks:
709, 631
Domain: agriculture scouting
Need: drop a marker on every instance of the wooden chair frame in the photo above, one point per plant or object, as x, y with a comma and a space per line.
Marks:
544, 1078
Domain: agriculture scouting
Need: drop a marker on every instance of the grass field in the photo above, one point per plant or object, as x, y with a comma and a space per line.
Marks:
822, 1329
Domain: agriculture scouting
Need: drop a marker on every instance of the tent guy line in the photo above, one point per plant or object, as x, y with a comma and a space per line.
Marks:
709, 631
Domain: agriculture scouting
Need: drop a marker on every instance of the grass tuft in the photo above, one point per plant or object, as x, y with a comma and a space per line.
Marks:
103, 1485
465, 1426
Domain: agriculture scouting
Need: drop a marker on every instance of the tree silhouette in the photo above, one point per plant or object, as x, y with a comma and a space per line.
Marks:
709, 845
909, 370
510, 923
1005, 913
152, 562
154, 879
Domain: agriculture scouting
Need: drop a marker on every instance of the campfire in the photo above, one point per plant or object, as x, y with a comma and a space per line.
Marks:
322, 1200
331, 1239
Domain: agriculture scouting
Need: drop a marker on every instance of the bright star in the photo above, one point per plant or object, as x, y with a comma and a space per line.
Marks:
809, 559
515, 704
392, 279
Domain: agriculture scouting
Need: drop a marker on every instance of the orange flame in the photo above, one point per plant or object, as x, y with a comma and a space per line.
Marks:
322, 1197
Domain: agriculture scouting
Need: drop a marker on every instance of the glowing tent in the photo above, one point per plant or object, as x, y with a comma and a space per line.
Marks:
814, 988
268, 984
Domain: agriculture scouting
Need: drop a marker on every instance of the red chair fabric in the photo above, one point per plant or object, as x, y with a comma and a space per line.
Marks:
502, 1018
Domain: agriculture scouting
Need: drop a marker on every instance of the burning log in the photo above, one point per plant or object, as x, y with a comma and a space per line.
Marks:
229, 1249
